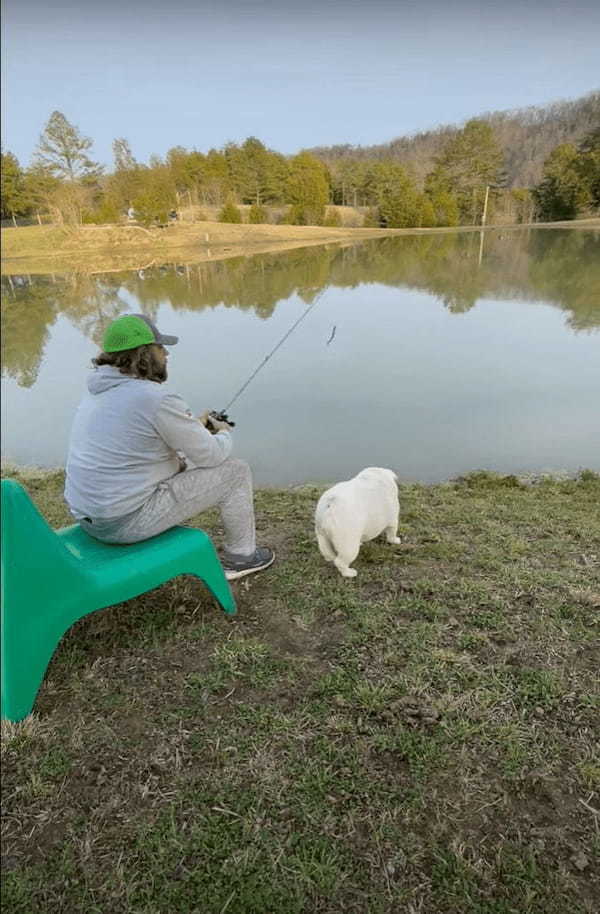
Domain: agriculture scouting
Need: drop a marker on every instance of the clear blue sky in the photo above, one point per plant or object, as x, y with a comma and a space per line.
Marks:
198, 73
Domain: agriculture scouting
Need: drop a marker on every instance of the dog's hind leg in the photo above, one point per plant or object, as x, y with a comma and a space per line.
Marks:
344, 569
343, 561
391, 534
325, 547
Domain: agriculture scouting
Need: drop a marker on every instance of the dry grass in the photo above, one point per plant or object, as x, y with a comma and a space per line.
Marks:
102, 248
43, 248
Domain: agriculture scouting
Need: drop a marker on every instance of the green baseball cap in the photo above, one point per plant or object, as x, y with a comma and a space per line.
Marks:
131, 331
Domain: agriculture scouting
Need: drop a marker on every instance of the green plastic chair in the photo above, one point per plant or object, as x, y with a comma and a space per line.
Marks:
52, 578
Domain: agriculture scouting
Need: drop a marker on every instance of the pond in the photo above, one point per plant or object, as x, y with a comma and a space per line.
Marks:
432, 354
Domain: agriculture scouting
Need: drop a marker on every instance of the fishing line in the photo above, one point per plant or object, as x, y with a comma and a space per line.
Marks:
273, 351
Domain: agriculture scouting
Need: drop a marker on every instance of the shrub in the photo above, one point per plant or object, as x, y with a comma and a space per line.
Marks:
304, 215
332, 218
427, 215
446, 209
230, 213
295, 216
257, 214
106, 213
150, 208
371, 219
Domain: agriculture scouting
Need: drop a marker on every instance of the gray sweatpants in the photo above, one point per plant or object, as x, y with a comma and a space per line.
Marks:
227, 487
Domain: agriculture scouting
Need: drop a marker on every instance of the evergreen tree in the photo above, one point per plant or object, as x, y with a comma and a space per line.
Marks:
589, 165
13, 189
426, 217
307, 189
62, 150
276, 177
564, 190
230, 213
155, 195
471, 160
395, 195
257, 215
188, 171
438, 182
246, 169
40, 187
256, 173
195, 174
347, 181
445, 208
216, 183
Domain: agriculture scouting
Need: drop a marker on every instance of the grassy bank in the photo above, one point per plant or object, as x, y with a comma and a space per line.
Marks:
98, 248
423, 739
46, 248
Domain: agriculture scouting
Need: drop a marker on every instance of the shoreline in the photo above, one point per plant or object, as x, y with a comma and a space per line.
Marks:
32, 473
98, 249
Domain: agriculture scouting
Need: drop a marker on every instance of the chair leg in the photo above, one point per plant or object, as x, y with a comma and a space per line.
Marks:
29, 641
210, 571
26, 653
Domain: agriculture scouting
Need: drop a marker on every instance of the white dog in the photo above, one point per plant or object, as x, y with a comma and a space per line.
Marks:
354, 512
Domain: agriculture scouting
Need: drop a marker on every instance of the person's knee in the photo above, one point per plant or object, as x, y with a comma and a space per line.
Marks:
240, 469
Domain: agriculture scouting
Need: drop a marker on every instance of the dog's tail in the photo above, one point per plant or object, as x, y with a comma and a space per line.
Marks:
324, 533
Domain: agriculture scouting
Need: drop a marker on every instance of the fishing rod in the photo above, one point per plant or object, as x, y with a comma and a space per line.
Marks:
221, 415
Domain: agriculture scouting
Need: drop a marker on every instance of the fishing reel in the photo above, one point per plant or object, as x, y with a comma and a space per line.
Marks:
220, 416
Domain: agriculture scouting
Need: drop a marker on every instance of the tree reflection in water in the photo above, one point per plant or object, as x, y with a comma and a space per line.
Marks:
556, 267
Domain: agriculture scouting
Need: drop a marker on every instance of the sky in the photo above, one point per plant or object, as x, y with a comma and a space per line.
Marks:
199, 73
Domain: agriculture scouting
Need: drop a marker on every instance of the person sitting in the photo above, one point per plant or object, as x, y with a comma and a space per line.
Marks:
139, 462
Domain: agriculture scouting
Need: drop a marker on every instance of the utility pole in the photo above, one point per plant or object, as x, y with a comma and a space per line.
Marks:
485, 203
481, 234
483, 215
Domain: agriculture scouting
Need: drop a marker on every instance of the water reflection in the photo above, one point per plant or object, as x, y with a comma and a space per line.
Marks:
433, 354
31, 305
561, 268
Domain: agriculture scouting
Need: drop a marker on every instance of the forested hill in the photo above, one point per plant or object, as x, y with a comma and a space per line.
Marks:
527, 137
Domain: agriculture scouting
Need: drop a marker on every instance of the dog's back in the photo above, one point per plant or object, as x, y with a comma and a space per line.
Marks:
354, 511
338, 541
336, 509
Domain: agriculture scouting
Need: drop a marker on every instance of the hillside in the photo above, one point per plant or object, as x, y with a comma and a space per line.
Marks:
527, 136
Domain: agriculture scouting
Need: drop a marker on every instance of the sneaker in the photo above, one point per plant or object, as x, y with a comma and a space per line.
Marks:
238, 566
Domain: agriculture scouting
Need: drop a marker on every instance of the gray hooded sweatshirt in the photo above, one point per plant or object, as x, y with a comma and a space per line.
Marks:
124, 442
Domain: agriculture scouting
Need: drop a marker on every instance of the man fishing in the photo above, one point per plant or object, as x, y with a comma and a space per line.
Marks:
139, 462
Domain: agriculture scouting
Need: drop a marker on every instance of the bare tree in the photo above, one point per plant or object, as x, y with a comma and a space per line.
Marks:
62, 150
124, 158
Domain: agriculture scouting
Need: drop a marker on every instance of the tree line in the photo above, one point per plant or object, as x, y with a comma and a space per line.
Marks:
466, 184
526, 137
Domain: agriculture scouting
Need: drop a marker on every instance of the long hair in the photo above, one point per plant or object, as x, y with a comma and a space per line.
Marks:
140, 362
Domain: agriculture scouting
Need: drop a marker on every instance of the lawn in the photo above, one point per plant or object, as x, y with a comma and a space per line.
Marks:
422, 739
